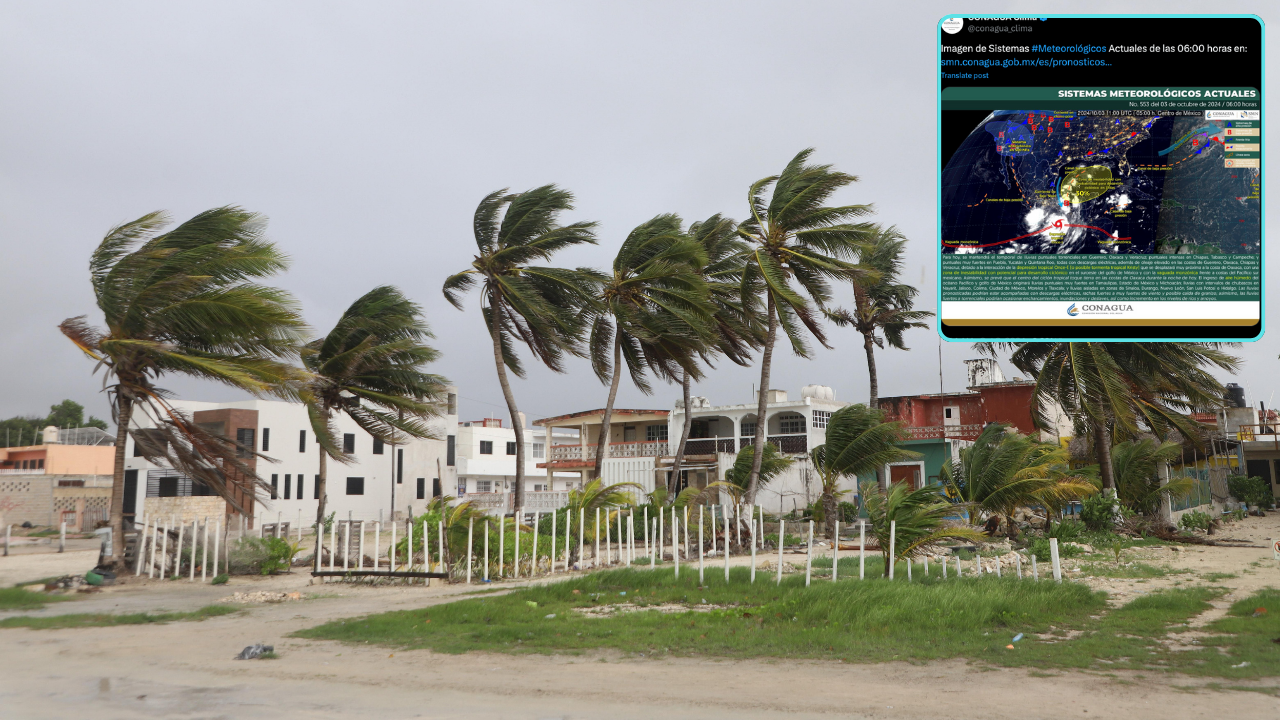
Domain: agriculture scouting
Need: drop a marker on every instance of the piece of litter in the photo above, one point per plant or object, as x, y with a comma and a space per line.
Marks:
1242, 665
577, 591
1017, 637
254, 651
549, 617
1009, 646
624, 592
530, 603
1259, 612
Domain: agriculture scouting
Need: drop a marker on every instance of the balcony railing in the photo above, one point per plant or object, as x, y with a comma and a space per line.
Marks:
709, 446
791, 444
20, 471
632, 449
939, 432
545, 501
490, 502
1260, 433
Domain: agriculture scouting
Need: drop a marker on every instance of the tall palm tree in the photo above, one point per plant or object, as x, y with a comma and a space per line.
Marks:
1113, 389
737, 329
883, 308
858, 442
653, 313
536, 305
369, 368
796, 240
186, 301
1002, 471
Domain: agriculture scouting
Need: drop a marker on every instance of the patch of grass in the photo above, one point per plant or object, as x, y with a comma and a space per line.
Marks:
79, 620
1128, 570
221, 579
865, 621
1216, 576
15, 598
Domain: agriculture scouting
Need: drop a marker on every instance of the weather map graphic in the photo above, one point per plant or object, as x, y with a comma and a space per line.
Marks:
1098, 182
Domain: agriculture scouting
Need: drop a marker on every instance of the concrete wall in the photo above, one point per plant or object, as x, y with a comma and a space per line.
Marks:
187, 509
79, 459
26, 498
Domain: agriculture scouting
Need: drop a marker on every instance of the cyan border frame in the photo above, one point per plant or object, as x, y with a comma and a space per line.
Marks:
1262, 187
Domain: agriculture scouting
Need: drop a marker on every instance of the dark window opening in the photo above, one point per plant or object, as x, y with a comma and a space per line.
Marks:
450, 442
399, 467
422, 488
511, 448
486, 447
348, 443
435, 487
302, 441
245, 439
377, 446
130, 492
316, 485
300, 477
355, 486
168, 487
288, 486
275, 479
266, 439
199, 489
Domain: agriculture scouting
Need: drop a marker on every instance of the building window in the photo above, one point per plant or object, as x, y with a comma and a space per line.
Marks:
449, 453
511, 448
484, 486
288, 487
628, 433
355, 486
275, 484
348, 443
245, 439
40, 464
316, 484
791, 424
299, 495
656, 433
453, 404
821, 418
422, 488
169, 487
486, 448
400, 467
377, 446
462, 487
539, 488
266, 439
748, 429
946, 413
436, 490
137, 449
302, 441
539, 450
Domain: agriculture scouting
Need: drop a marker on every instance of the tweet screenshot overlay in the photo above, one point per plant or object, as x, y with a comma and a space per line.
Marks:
1100, 178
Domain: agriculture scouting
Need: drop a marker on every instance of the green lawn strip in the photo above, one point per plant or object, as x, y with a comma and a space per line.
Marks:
79, 620
1128, 570
872, 620
1245, 638
16, 598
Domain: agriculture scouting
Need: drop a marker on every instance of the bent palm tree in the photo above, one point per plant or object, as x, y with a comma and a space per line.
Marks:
1002, 471
653, 313
858, 442
369, 368
737, 330
185, 302
538, 306
918, 517
883, 308
1111, 389
794, 237
1137, 472
737, 479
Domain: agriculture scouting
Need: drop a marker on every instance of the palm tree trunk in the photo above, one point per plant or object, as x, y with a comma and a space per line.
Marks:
766, 362
830, 508
495, 333
123, 416
1102, 449
322, 489
684, 438
873, 400
602, 442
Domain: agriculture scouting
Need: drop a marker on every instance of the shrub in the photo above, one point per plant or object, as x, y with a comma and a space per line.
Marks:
1098, 512
1068, 531
221, 579
1251, 490
264, 556
848, 513
1040, 548
1197, 520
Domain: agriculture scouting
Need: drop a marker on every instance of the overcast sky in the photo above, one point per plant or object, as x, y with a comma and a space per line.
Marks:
367, 133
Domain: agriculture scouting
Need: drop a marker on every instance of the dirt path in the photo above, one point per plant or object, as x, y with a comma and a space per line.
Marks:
185, 670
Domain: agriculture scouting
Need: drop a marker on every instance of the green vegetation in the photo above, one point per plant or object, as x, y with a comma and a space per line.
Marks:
1254, 491
1217, 576
18, 431
263, 556
1198, 520
221, 579
919, 516
857, 621
1128, 570
81, 620
16, 598
858, 441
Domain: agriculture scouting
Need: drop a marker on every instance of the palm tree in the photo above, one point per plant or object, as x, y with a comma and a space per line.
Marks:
883, 308
653, 312
918, 517
369, 368
1137, 464
737, 330
737, 479
858, 442
535, 305
185, 301
1003, 471
592, 496
1112, 390
795, 237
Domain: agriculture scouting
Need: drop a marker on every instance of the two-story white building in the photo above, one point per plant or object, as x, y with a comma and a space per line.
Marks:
383, 479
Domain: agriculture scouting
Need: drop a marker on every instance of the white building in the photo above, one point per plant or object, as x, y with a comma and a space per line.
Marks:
795, 427
381, 480
487, 459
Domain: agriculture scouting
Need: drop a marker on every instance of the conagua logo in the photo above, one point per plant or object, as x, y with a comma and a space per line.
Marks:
1099, 309
1072, 311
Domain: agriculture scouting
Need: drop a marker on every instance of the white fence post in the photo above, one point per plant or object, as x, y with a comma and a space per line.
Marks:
217, 537
781, 534
195, 539
471, 522
595, 555
440, 539
515, 572
177, 556
653, 557
753, 546
808, 556
486, 551
537, 520
835, 552
700, 547
893, 537
377, 544
862, 549
360, 545
1053, 555
391, 559
141, 547
554, 515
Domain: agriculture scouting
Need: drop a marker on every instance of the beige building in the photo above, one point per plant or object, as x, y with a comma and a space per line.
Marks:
65, 479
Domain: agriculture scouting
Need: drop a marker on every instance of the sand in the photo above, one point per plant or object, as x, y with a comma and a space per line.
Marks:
186, 670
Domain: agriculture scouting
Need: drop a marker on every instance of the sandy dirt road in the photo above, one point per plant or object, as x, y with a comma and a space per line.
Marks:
186, 670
